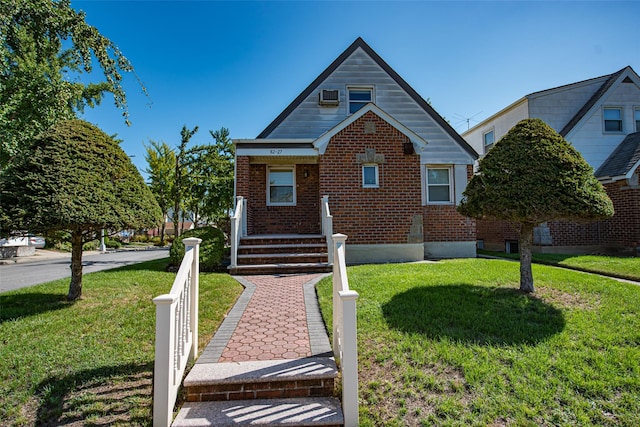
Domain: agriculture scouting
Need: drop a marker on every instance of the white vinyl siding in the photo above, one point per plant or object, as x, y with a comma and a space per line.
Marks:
281, 186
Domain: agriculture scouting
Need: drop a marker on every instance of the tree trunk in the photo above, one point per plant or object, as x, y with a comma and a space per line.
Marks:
164, 224
526, 242
75, 287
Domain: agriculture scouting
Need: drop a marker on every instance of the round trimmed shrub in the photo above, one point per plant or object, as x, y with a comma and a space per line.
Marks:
211, 248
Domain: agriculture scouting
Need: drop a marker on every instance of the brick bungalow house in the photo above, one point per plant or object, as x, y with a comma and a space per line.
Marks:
361, 144
601, 119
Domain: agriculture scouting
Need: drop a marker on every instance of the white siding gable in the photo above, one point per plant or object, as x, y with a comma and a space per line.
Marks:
310, 120
589, 136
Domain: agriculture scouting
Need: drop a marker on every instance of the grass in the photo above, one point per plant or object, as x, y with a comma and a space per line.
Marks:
623, 267
454, 343
91, 362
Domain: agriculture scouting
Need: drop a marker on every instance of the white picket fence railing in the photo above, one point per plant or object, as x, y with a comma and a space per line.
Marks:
176, 334
238, 224
327, 225
345, 346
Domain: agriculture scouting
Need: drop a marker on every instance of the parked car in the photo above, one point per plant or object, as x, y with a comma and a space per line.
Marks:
37, 241
30, 240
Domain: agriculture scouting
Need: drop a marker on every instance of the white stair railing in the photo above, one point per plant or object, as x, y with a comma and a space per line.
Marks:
327, 226
176, 334
238, 225
345, 346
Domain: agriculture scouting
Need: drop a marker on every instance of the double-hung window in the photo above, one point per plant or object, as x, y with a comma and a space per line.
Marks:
439, 188
281, 186
359, 97
370, 177
612, 119
489, 139
636, 114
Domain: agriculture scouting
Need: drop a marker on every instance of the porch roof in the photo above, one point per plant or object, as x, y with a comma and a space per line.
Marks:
275, 147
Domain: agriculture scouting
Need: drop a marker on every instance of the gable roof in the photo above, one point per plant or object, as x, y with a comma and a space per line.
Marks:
624, 160
360, 43
322, 141
593, 100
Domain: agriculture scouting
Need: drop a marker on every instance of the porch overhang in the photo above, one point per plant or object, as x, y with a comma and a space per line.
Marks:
269, 149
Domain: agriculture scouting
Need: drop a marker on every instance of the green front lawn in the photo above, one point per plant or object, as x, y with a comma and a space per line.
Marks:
91, 362
455, 343
624, 267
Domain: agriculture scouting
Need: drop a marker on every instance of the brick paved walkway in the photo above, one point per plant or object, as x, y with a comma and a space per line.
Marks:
277, 317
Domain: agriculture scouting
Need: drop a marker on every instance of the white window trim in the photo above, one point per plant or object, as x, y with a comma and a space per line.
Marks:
636, 109
293, 171
486, 146
613, 107
426, 179
359, 87
377, 169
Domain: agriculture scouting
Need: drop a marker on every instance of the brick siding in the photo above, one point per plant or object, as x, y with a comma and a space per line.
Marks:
371, 215
622, 231
443, 223
303, 218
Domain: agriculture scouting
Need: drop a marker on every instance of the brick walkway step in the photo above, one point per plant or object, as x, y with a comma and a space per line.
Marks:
305, 377
285, 268
273, 412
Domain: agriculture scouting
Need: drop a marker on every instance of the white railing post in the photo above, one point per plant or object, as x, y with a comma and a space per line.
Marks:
193, 243
345, 331
327, 226
238, 225
163, 373
176, 334
349, 361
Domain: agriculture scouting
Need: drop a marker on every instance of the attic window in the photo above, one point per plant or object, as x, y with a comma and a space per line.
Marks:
612, 119
359, 97
636, 114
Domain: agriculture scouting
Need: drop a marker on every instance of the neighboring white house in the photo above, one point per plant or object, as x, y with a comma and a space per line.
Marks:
600, 117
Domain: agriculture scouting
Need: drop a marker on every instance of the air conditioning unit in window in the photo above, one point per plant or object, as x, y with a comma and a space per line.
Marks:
329, 97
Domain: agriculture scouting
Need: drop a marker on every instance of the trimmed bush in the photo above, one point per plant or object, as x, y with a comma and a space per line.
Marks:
112, 243
211, 248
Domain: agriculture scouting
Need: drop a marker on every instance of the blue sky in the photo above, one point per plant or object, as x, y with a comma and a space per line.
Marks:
239, 64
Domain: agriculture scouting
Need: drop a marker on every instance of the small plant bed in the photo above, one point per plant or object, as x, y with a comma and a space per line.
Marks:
615, 266
456, 343
91, 362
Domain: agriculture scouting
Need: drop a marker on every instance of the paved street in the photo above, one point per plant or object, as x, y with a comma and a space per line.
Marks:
46, 266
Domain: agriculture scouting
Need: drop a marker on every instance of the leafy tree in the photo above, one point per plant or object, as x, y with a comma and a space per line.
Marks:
533, 175
180, 177
76, 178
210, 172
41, 43
161, 160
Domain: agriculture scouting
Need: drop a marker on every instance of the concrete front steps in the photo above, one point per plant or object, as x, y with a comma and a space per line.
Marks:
296, 392
282, 254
